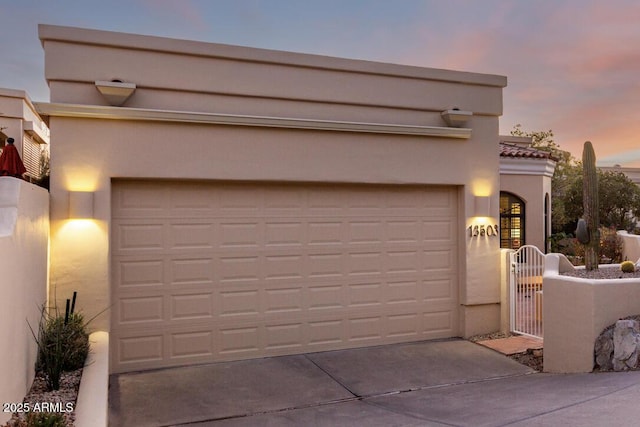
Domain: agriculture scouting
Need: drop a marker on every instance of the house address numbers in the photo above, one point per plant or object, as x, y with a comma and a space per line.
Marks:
483, 230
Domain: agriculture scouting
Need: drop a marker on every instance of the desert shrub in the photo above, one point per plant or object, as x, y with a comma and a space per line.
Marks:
45, 419
561, 243
63, 343
72, 337
611, 246
628, 267
577, 250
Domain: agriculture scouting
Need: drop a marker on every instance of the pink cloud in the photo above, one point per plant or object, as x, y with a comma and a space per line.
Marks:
182, 13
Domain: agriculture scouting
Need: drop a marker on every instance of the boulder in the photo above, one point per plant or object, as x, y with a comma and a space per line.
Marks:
604, 350
626, 337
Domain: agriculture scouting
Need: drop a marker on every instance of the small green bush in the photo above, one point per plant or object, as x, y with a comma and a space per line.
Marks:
628, 267
45, 419
63, 343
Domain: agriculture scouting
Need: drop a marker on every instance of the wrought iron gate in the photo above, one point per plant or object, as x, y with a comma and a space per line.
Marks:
525, 287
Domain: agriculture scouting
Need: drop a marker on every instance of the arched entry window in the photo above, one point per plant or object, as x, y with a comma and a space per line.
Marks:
512, 220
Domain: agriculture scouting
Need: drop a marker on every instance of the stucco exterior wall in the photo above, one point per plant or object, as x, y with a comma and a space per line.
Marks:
24, 243
93, 145
631, 246
531, 183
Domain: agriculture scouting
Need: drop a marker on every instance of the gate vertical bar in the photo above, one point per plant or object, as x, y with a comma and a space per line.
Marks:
527, 268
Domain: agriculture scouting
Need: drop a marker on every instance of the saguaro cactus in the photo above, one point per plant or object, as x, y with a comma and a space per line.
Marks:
590, 205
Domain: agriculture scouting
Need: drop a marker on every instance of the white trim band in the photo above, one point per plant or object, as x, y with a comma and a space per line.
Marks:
125, 113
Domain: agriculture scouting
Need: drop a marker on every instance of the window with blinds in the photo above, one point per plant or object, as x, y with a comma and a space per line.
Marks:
31, 156
512, 219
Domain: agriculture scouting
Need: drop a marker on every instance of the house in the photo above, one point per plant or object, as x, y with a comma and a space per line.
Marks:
225, 202
19, 120
632, 173
525, 194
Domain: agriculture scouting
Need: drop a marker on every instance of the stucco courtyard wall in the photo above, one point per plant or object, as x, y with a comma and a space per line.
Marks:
24, 244
156, 135
631, 246
577, 310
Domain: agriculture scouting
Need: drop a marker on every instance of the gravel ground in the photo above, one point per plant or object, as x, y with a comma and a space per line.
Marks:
63, 399
602, 273
531, 358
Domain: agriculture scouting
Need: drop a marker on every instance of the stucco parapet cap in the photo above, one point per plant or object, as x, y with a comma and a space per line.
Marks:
243, 53
123, 113
527, 166
13, 93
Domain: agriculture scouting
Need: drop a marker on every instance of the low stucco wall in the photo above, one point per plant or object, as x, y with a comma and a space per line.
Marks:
577, 310
631, 243
93, 395
24, 243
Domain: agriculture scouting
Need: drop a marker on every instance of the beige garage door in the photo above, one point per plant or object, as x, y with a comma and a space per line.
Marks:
222, 271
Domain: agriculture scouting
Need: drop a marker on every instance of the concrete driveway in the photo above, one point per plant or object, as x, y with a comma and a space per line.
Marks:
433, 383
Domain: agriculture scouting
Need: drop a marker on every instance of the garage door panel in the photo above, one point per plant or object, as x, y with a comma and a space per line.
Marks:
133, 237
365, 294
403, 231
240, 234
139, 272
281, 234
365, 232
192, 235
225, 271
191, 344
135, 310
143, 200
142, 350
325, 233
282, 267
239, 342
438, 323
324, 265
192, 306
240, 269
185, 271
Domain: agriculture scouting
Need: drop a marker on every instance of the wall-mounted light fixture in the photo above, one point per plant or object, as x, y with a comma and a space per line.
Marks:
482, 206
456, 118
115, 92
80, 205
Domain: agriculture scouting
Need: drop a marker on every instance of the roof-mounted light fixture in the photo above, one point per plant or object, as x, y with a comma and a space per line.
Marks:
455, 117
115, 92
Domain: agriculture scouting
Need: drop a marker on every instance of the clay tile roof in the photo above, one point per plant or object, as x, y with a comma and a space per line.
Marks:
513, 150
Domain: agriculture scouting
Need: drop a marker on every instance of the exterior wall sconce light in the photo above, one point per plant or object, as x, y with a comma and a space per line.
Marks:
80, 205
482, 205
456, 118
115, 92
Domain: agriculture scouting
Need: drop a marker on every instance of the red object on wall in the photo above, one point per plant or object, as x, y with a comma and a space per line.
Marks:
10, 161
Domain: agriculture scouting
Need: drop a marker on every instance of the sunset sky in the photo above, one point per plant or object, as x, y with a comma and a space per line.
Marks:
573, 66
